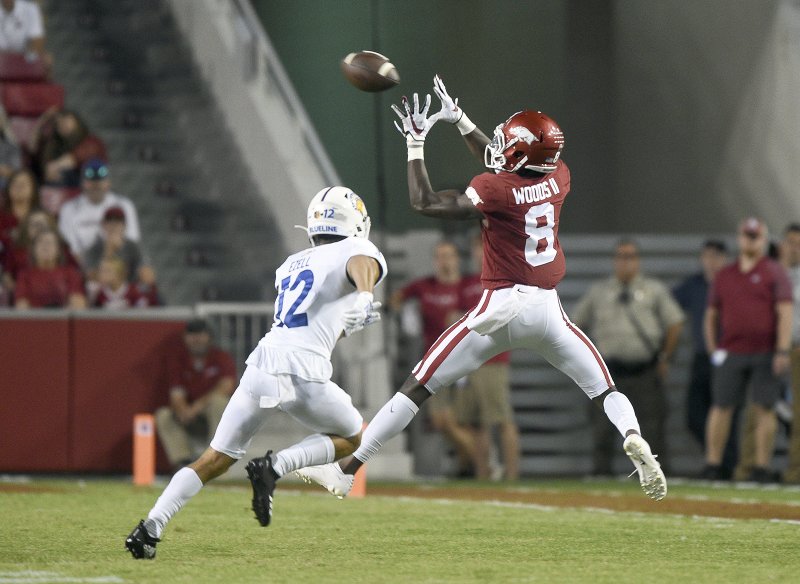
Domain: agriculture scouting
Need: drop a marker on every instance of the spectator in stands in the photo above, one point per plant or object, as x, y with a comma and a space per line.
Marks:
114, 291
692, 295
747, 328
20, 252
22, 30
439, 296
10, 151
79, 219
201, 379
790, 258
486, 404
62, 144
636, 324
112, 242
49, 283
20, 198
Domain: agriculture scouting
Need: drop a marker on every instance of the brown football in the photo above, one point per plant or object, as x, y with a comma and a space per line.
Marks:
370, 71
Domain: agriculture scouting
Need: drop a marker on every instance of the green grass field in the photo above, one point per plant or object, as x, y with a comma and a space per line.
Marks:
73, 531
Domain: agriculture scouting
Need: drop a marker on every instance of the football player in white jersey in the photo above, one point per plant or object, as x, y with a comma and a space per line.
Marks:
324, 292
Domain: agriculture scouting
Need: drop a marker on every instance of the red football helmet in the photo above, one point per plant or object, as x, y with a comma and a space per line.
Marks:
527, 140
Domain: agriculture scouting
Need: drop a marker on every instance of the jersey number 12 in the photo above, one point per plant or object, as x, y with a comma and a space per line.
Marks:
293, 319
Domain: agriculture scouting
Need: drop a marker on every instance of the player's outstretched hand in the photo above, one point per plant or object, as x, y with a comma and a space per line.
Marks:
414, 123
450, 111
363, 313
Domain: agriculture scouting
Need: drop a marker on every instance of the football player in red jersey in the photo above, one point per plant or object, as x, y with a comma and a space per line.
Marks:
518, 202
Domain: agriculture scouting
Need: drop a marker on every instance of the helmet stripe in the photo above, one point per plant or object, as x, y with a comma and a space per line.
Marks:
326, 193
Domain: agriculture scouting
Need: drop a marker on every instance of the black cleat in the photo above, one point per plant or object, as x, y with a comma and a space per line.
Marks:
141, 544
263, 479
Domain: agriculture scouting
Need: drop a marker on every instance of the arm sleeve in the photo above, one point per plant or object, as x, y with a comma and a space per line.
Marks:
36, 28
713, 295
411, 290
671, 312
132, 222
365, 247
480, 193
66, 226
783, 285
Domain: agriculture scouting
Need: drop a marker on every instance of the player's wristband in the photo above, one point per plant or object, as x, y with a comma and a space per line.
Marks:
464, 124
416, 151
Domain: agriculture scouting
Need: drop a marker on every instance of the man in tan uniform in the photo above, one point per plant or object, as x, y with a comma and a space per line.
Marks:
636, 324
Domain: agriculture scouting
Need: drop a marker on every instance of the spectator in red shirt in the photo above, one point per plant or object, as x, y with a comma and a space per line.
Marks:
201, 379
487, 404
48, 283
439, 297
62, 143
115, 292
20, 198
18, 255
747, 328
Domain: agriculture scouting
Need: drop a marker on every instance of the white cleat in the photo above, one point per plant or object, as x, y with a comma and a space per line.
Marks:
651, 477
329, 476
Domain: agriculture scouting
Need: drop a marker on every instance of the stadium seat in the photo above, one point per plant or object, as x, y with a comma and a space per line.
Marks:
23, 128
16, 67
53, 197
31, 99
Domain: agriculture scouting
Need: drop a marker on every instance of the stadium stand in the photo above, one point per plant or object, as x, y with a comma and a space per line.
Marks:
171, 152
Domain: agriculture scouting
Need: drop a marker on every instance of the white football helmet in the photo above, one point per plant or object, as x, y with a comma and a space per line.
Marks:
337, 211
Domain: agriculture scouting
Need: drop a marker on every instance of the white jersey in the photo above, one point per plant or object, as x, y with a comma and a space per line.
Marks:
314, 292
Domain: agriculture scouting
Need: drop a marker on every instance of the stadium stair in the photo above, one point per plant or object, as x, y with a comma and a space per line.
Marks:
125, 70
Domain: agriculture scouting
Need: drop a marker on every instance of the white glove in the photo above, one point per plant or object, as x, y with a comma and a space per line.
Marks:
416, 124
450, 111
363, 313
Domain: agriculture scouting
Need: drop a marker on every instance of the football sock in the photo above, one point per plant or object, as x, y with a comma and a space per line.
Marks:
184, 485
619, 410
311, 451
392, 418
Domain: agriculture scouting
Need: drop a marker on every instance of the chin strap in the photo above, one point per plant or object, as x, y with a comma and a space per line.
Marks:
304, 228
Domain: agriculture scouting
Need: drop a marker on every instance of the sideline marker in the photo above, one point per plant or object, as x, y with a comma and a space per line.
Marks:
144, 449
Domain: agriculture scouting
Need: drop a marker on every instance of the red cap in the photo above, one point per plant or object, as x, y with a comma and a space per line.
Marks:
114, 214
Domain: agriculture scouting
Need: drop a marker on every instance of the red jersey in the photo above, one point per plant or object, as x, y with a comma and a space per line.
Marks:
471, 292
126, 296
48, 288
437, 302
197, 382
520, 230
8, 225
746, 304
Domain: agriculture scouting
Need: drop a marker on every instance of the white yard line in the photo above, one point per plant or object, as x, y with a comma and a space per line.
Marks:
37, 577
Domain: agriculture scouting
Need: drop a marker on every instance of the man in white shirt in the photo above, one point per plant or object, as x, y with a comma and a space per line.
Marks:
79, 219
22, 28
